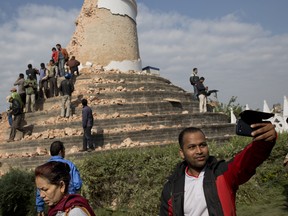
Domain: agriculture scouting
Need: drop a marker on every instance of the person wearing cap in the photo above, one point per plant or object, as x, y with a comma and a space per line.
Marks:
17, 112
17, 96
31, 87
202, 95
21, 89
66, 88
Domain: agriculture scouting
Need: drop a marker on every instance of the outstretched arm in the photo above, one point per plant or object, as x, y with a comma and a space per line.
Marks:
264, 132
243, 166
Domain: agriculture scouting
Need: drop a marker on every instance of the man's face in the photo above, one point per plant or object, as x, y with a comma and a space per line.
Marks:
195, 151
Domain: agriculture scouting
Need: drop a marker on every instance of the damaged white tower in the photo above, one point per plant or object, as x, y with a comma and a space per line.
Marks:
106, 34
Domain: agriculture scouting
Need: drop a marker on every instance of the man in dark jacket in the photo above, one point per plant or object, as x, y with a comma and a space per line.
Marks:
66, 88
202, 95
32, 71
201, 185
87, 124
194, 79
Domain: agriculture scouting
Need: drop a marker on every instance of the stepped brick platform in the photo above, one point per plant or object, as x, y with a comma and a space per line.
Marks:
131, 109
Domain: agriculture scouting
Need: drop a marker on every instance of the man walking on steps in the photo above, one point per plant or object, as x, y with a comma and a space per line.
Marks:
87, 124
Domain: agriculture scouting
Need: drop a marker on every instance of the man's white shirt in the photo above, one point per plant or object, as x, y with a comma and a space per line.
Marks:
194, 199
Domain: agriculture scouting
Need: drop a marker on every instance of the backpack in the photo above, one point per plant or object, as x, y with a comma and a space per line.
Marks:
16, 107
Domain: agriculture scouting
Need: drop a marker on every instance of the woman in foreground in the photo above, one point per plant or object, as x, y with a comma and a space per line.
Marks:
52, 179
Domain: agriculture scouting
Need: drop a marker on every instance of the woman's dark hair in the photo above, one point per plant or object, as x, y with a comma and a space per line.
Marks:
187, 130
54, 172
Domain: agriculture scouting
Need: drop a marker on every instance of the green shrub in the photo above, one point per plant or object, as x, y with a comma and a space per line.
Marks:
17, 191
128, 180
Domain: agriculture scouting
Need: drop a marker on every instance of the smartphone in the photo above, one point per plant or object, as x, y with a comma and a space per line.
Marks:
249, 117
243, 129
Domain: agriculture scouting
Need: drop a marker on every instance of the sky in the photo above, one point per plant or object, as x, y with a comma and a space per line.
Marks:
240, 47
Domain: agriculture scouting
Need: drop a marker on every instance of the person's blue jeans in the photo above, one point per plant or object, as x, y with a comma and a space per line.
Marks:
61, 67
10, 119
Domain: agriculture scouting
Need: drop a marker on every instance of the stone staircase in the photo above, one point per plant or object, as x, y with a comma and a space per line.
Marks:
130, 110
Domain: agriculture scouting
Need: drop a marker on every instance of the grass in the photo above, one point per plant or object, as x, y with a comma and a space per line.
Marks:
272, 203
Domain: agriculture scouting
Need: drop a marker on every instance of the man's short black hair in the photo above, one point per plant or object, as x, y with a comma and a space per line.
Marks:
56, 147
29, 66
187, 130
21, 75
84, 102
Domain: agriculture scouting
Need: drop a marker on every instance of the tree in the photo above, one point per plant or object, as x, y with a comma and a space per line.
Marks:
226, 108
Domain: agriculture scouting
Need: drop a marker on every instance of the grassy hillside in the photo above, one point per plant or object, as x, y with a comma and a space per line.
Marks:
129, 181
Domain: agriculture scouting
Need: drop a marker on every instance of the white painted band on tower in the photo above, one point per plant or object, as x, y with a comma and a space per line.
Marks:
122, 7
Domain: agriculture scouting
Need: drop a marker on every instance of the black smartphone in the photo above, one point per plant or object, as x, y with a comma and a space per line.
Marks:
249, 117
243, 129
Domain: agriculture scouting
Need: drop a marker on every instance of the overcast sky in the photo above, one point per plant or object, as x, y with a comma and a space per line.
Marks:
240, 47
